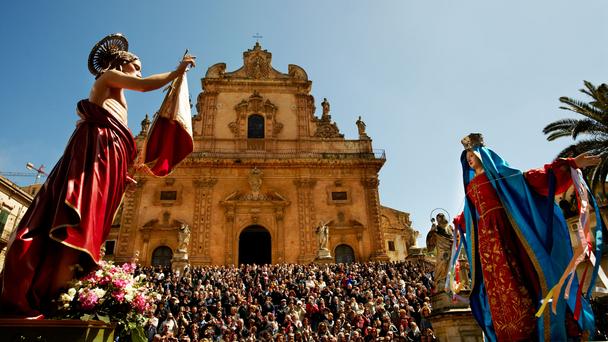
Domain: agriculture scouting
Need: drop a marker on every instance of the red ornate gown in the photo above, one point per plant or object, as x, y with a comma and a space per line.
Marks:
71, 214
508, 274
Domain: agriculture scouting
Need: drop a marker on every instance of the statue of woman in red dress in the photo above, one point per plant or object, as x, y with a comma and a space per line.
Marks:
517, 254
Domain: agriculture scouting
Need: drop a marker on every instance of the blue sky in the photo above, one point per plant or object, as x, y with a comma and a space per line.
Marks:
422, 74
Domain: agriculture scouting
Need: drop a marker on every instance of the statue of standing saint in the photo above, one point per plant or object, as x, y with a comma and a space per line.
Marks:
323, 239
184, 238
361, 128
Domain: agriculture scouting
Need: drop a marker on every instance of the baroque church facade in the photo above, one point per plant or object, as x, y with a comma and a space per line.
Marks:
265, 174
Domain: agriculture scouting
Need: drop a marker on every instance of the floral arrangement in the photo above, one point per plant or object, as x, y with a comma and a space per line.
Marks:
112, 294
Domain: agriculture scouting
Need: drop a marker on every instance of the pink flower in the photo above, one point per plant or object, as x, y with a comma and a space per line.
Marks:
128, 267
119, 296
119, 283
140, 303
88, 299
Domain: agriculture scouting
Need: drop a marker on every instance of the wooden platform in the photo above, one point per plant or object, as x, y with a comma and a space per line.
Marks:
47, 330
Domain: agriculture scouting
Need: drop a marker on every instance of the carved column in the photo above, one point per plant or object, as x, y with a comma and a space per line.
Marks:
305, 110
201, 220
373, 212
279, 213
306, 211
129, 220
230, 213
206, 106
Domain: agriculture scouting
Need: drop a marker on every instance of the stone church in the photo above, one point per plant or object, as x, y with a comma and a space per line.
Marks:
265, 175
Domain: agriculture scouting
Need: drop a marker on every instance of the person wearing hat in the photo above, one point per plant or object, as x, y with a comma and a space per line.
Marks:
70, 217
519, 244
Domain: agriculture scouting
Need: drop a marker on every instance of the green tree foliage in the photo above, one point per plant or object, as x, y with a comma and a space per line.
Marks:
590, 133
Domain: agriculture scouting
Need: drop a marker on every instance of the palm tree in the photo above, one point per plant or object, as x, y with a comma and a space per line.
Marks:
593, 127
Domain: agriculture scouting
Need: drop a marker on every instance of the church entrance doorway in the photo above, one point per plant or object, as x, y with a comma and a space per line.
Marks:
254, 246
344, 254
162, 256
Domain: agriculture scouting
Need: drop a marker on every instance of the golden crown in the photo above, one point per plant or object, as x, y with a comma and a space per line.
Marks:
472, 140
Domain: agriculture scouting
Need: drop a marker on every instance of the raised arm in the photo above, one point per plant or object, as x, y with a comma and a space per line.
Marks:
538, 179
134, 81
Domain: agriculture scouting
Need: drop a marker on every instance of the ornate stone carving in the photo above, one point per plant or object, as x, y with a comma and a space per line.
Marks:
216, 71
255, 104
204, 182
257, 62
370, 183
297, 72
325, 128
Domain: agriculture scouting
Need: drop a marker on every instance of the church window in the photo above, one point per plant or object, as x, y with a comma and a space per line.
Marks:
391, 246
339, 196
255, 127
168, 195
110, 245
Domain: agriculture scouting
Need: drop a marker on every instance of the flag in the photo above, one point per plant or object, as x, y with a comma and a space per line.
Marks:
170, 138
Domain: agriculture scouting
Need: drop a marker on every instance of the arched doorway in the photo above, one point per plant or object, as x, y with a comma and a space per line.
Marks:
255, 246
162, 256
344, 254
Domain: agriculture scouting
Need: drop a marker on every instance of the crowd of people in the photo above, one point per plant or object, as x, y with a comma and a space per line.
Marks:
372, 301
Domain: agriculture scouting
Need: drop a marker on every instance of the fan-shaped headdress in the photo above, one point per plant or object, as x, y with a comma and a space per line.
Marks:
110, 52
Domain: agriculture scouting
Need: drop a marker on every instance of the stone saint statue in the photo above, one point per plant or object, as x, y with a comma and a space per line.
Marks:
184, 238
145, 126
440, 238
325, 105
255, 182
323, 235
361, 128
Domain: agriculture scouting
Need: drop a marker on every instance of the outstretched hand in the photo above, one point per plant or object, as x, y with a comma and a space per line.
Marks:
586, 159
187, 61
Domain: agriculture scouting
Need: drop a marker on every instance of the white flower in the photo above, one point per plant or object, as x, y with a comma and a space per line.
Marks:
66, 298
72, 291
99, 292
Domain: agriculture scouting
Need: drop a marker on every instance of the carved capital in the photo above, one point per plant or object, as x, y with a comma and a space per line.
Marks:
305, 183
204, 182
370, 183
279, 213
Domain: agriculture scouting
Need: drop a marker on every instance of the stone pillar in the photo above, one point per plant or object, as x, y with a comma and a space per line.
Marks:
370, 186
279, 213
201, 220
129, 221
230, 212
305, 219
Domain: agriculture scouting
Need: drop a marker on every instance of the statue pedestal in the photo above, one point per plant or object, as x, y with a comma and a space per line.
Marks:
180, 261
324, 257
453, 321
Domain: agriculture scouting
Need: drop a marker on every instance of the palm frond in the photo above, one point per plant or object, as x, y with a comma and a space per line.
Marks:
582, 108
587, 126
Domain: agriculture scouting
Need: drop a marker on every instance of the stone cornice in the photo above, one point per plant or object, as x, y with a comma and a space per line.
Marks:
375, 164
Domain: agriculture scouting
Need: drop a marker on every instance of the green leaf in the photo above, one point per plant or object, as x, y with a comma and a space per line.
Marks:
103, 318
86, 317
138, 335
